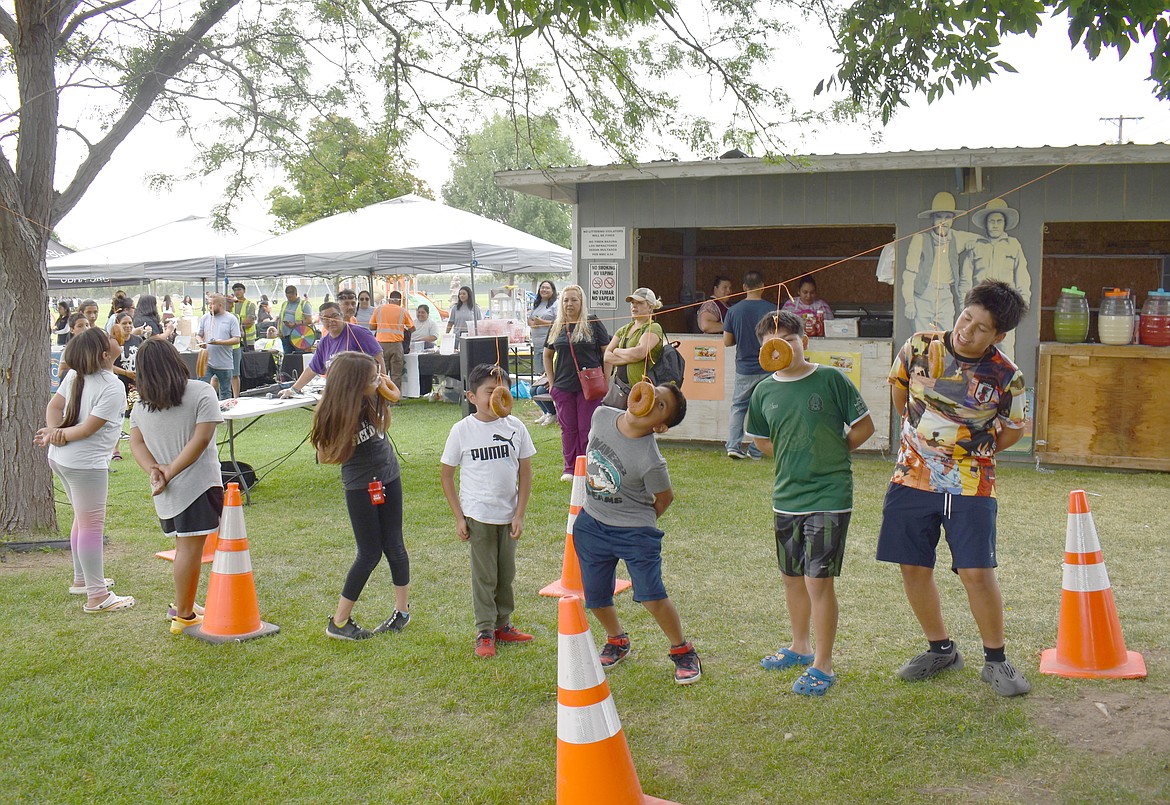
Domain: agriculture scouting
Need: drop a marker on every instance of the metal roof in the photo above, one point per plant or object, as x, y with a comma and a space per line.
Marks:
560, 184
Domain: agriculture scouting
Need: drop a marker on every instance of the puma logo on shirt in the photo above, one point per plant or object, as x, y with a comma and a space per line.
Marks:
495, 451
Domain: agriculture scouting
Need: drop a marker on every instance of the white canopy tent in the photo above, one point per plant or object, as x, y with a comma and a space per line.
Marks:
187, 249
405, 235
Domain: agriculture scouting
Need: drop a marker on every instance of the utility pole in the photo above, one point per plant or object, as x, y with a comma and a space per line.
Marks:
1121, 123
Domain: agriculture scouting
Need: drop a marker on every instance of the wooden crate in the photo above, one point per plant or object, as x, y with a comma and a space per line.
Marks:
1103, 406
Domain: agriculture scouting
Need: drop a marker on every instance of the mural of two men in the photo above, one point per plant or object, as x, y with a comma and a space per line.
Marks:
943, 263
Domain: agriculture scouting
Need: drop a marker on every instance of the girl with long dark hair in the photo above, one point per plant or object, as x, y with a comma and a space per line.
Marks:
172, 436
349, 428
82, 424
462, 312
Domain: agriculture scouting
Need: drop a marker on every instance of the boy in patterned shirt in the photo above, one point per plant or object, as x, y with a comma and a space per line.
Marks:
959, 407
810, 418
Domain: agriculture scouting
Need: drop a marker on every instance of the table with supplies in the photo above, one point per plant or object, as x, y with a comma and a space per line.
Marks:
252, 409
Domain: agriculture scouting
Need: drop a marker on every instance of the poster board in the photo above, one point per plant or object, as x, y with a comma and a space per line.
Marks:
704, 378
848, 362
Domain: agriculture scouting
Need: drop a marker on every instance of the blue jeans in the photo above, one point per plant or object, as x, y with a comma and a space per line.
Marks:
744, 386
224, 376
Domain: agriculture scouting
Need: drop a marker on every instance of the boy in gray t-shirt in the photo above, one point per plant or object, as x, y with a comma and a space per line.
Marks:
627, 488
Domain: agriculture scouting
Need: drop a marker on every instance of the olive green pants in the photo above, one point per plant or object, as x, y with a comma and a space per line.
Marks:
493, 568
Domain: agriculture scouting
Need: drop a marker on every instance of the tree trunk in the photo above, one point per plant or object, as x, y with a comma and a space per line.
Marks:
26, 485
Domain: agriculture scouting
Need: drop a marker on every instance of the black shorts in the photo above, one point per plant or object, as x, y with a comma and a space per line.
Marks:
199, 519
811, 545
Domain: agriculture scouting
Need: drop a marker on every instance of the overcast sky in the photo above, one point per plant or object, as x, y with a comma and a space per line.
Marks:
1057, 99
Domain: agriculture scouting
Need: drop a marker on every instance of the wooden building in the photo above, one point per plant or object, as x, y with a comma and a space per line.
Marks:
1096, 217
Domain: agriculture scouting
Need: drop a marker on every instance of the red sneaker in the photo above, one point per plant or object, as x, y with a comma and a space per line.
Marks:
510, 634
485, 644
687, 668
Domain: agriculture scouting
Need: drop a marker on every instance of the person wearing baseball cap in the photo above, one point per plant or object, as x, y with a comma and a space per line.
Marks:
625, 355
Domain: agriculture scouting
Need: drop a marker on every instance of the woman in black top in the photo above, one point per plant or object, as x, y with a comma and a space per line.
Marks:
61, 325
146, 314
562, 358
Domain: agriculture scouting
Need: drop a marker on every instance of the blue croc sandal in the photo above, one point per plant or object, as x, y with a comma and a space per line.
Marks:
814, 683
785, 658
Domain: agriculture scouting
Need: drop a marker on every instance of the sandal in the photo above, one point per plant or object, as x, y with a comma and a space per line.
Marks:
814, 682
112, 604
785, 658
80, 589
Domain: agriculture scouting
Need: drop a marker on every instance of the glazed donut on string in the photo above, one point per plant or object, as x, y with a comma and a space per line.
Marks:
388, 390
936, 356
201, 362
501, 403
641, 398
775, 354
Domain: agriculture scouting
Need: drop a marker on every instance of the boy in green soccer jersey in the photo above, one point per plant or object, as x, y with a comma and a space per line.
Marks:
809, 418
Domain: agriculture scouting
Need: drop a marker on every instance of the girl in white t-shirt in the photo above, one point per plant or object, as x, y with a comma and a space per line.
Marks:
82, 424
172, 436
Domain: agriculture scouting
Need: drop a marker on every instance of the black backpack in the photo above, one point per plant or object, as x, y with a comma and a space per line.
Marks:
670, 367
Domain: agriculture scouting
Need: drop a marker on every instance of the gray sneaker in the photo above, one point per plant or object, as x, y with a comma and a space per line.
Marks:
395, 623
928, 664
736, 454
1004, 679
350, 631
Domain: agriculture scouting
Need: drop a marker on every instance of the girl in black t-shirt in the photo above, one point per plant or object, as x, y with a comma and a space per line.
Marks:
349, 428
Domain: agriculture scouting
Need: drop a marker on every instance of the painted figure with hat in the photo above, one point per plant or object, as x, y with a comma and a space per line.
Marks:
996, 256
930, 282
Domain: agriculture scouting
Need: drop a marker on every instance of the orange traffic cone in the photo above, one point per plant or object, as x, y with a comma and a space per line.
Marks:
570, 581
1088, 638
593, 760
209, 546
232, 612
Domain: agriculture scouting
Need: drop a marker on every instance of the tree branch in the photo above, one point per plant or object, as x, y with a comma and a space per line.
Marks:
170, 59
8, 27
76, 22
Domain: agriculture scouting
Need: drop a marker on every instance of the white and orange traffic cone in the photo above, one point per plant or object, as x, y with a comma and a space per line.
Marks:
570, 581
209, 546
232, 613
593, 759
1088, 638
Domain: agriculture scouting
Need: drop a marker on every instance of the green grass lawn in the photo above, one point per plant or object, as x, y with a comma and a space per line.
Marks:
112, 707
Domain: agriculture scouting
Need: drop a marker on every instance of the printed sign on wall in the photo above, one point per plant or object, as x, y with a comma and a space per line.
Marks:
848, 362
603, 286
604, 242
704, 376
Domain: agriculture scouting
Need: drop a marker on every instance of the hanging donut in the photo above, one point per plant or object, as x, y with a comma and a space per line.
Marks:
936, 355
641, 399
201, 363
501, 401
775, 354
388, 390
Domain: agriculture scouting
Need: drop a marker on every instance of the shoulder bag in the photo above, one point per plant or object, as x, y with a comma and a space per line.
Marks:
593, 384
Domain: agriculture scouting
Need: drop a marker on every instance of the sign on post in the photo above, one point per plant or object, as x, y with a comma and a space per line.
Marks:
603, 242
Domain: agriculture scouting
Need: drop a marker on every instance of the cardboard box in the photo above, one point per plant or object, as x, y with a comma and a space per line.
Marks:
841, 328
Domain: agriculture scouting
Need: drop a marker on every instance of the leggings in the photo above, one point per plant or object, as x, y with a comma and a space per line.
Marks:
86, 490
378, 531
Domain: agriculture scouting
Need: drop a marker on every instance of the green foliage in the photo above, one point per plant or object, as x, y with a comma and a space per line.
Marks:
342, 168
892, 49
506, 143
